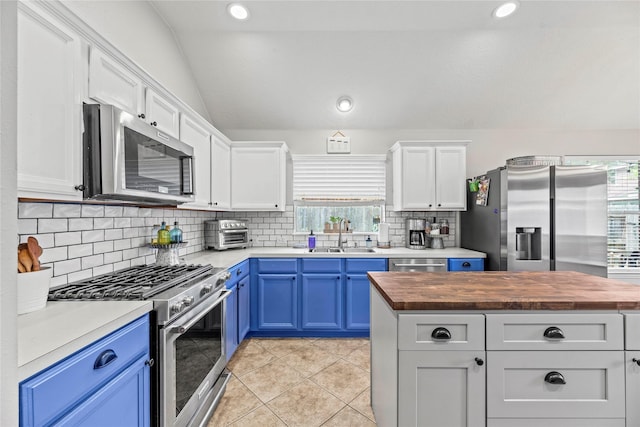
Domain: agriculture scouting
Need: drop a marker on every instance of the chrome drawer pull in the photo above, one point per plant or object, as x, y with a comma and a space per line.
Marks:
479, 361
105, 358
553, 333
441, 334
554, 377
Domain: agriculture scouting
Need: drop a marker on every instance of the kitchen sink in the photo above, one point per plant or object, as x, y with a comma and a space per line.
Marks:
345, 250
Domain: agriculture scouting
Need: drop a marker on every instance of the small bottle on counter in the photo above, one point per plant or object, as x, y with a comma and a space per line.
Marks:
444, 226
163, 234
311, 241
175, 234
368, 242
154, 233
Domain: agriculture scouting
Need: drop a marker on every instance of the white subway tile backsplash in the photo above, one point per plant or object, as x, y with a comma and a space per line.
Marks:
130, 232
103, 269
46, 225
102, 223
113, 257
44, 240
130, 253
27, 226
64, 210
137, 222
92, 261
114, 211
80, 275
119, 245
102, 247
58, 281
130, 211
79, 224
113, 234
120, 265
35, 210
146, 212
66, 239
54, 254
138, 261
77, 251
122, 222
66, 267
92, 211
92, 236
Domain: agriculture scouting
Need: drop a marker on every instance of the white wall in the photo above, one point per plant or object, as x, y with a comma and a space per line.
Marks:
8, 222
488, 150
137, 31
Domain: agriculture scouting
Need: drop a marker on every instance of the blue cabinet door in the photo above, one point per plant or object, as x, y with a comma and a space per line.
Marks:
277, 302
321, 301
231, 322
124, 401
465, 264
244, 307
357, 312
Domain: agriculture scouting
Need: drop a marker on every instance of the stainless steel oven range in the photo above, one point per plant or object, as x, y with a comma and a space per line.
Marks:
189, 377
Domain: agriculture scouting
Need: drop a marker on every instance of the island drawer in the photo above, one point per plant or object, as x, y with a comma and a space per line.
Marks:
555, 331
555, 384
440, 332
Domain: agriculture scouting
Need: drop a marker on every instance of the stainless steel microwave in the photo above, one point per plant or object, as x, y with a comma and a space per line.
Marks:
127, 159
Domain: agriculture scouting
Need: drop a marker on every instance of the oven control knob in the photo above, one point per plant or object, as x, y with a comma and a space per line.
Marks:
223, 278
208, 287
177, 307
187, 301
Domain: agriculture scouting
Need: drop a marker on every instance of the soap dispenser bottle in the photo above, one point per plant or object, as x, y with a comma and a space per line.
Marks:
311, 241
368, 242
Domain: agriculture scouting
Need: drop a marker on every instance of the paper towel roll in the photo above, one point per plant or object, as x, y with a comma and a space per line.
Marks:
383, 234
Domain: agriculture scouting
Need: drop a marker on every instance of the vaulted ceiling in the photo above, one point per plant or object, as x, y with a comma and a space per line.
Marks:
414, 64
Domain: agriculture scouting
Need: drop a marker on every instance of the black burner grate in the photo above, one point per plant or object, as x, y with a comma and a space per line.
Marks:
134, 283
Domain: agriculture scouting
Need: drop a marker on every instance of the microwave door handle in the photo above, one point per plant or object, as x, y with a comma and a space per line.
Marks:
186, 164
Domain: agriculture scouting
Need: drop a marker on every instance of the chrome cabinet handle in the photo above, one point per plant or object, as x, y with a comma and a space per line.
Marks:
553, 333
142, 116
104, 359
554, 377
441, 334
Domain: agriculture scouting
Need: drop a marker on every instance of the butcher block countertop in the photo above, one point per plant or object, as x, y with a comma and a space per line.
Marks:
504, 290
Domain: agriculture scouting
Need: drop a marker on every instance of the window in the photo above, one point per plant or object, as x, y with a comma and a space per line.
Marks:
623, 190
331, 187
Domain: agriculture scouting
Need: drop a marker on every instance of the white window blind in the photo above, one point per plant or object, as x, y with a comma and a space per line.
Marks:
351, 178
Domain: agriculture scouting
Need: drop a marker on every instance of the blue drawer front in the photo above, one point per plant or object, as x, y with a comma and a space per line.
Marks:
237, 272
53, 391
362, 265
466, 264
321, 265
277, 265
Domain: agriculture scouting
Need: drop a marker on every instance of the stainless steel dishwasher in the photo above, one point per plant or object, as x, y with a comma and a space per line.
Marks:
418, 264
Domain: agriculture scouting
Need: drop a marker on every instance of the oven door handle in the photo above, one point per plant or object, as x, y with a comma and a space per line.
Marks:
181, 329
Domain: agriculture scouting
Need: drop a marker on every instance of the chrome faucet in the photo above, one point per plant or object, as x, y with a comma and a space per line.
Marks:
340, 242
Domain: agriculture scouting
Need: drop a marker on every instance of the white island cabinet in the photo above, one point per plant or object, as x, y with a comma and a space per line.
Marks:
472, 349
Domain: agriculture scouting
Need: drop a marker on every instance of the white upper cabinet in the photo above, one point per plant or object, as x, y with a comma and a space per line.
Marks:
258, 176
161, 113
429, 175
49, 106
112, 83
220, 174
197, 136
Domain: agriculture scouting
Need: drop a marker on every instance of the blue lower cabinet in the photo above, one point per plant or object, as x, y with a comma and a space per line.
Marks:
231, 322
465, 264
357, 302
244, 307
321, 301
277, 301
106, 383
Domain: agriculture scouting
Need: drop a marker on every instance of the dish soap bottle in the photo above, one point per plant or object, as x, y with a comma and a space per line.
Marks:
163, 235
312, 241
368, 242
175, 234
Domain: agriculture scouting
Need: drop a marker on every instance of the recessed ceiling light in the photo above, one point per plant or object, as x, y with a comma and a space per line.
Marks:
505, 9
344, 104
238, 11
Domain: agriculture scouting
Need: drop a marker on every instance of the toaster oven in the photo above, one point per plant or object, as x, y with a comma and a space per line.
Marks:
223, 234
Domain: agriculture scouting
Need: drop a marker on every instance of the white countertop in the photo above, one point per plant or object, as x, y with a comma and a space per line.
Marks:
61, 328
230, 257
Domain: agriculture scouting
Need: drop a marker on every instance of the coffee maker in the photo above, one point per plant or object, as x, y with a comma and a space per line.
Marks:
416, 236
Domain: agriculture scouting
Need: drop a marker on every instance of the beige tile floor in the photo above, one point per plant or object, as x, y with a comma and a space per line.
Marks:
302, 382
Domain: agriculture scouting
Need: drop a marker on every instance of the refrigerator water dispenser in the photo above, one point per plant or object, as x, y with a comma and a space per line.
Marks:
529, 243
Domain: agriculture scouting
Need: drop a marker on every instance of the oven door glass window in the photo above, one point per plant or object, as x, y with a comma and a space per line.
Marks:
153, 166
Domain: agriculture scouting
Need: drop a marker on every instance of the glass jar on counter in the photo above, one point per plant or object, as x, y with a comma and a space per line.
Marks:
444, 226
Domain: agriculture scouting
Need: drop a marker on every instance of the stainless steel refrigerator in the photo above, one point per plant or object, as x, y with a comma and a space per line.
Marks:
540, 218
